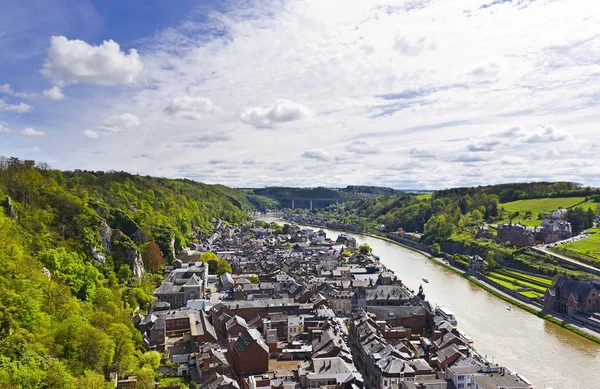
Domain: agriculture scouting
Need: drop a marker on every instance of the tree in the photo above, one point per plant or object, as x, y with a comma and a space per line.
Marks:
150, 359
152, 257
145, 378
92, 380
490, 262
436, 249
365, 249
254, 279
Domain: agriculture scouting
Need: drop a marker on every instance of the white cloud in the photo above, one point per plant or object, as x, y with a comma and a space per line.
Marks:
547, 134
317, 154
418, 152
512, 132
72, 61
483, 145
54, 93
363, 147
28, 131
116, 123
417, 102
90, 134
4, 127
8, 90
20, 108
280, 111
190, 107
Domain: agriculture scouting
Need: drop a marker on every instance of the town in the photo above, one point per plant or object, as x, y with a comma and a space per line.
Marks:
301, 309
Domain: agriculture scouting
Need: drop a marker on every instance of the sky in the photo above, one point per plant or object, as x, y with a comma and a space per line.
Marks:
409, 94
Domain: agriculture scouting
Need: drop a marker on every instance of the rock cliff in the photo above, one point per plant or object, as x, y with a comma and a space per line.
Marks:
117, 244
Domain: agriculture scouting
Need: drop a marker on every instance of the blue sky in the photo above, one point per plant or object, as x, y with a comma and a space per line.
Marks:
402, 93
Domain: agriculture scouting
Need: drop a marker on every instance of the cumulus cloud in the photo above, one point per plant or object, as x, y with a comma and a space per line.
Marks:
54, 93
512, 132
316, 154
8, 90
483, 145
407, 48
479, 157
90, 134
217, 161
72, 61
20, 108
116, 123
4, 127
362, 147
280, 111
28, 131
547, 134
211, 137
418, 152
190, 107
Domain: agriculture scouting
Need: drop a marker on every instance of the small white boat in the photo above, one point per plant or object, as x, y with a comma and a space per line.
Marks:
425, 280
508, 309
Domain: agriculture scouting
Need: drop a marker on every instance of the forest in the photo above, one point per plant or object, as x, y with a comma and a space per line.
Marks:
69, 285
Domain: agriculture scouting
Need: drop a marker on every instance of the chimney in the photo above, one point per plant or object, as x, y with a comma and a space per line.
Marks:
437, 335
206, 361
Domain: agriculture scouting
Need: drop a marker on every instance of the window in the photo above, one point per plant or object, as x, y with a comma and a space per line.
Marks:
460, 377
461, 386
384, 382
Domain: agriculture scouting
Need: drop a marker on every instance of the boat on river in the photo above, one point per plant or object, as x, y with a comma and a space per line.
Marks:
465, 337
446, 314
425, 280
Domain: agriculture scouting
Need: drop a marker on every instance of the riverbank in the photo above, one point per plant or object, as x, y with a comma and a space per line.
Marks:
570, 326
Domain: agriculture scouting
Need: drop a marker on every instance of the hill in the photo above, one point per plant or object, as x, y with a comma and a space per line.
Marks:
77, 254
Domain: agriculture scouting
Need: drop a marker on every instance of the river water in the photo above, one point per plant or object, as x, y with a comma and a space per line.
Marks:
548, 355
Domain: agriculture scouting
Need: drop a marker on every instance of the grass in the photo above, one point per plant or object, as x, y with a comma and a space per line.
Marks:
518, 282
531, 294
541, 281
506, 284
538, 207
588, 248
274, 364
425, 196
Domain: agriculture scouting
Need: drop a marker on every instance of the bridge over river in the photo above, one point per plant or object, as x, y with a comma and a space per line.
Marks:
310, 202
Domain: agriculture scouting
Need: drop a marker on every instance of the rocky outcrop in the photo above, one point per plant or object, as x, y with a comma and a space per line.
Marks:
134, 260
121, 247
106, 235
172, 246
98, 256
10, 210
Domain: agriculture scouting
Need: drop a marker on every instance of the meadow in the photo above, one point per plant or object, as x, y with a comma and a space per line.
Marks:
539, 208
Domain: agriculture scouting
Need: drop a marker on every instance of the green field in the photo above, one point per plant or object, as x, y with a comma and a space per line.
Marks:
424, 196
541, 281
532, 295
537, 207
506, 284
521, 283
586, 250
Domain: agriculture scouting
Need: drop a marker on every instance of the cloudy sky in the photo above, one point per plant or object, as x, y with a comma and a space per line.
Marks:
408, 93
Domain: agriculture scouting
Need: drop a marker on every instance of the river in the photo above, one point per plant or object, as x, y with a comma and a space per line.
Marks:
548, 355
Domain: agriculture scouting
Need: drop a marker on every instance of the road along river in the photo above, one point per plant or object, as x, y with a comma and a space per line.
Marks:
548, 355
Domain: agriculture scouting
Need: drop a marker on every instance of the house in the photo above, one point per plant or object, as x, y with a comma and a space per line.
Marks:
250, 353
181, 285
493, 381
571, 297
331, 372
226, 281
235, 326
476, 264
516, 234
295, 326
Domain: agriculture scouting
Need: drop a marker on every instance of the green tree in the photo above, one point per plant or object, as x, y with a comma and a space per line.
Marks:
436, 249
365, 249
254, 279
